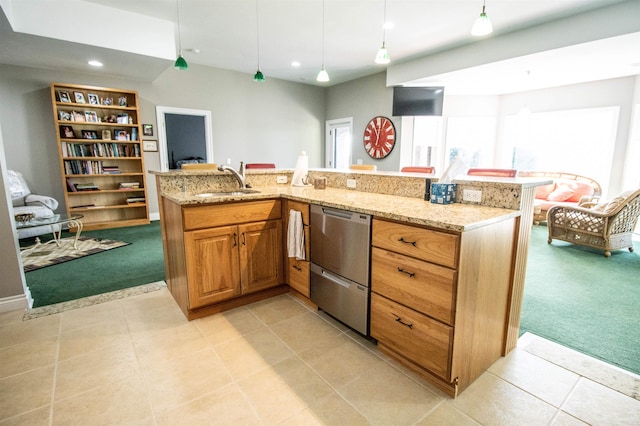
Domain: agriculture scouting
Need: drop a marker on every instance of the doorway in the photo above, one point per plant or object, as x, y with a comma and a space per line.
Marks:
183, 134
338, 145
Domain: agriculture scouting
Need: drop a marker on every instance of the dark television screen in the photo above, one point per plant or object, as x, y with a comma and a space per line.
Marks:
417, 100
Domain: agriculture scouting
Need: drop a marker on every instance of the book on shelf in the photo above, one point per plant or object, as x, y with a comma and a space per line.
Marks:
110, 170
134, 200
71, 186
129, 185
86, 187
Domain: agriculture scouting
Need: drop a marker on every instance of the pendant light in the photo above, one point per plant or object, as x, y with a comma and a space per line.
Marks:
482, 26
258, 76
180, 64
323, 75
383, 54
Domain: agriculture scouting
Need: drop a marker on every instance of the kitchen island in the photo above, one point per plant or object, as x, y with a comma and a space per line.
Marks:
445, 319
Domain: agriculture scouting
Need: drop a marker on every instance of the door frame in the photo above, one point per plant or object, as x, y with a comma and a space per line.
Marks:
329, 152
162, 132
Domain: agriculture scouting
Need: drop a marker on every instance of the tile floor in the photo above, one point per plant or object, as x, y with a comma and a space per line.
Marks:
137, 360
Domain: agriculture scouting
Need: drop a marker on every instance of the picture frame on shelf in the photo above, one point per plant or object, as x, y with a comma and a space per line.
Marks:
147, 129
106, 134
64, 96
122, 101
107, 101
121, 135
91, 116
66, 132
64, 116
89, 134
150, 145
93, 99
77, 116
79, 97
123, 118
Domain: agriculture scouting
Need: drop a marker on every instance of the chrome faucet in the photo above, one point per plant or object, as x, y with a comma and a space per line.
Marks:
238, 174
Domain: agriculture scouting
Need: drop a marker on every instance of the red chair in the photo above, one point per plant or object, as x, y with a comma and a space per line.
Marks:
410, 169
260, 166
492, 172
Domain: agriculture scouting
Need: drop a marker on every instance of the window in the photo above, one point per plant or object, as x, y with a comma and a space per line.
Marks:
574, 141
472, 139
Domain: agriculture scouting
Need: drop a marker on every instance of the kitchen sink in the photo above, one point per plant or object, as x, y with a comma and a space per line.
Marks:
227, 193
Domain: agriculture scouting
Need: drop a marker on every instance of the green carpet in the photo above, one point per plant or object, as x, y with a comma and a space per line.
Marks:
141, 262
577, 297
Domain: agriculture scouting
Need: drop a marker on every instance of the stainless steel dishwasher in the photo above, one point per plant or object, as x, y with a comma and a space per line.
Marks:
340, 255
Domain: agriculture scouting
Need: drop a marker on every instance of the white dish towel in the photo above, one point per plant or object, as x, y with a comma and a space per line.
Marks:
295, 235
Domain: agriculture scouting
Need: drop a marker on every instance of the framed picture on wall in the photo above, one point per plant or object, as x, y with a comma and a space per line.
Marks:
150, 145
147, 129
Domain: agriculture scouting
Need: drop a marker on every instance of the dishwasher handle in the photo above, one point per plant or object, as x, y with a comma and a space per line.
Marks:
337, 213
334, 278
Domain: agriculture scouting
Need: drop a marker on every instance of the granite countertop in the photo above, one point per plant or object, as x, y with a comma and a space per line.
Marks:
454, 217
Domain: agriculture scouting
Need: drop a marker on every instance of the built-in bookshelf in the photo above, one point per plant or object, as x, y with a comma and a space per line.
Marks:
98, 132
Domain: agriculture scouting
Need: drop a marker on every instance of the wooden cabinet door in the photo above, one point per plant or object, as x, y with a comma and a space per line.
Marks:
261, 264
212, 265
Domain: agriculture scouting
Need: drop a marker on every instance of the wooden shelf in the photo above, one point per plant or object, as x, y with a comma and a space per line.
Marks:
109, 208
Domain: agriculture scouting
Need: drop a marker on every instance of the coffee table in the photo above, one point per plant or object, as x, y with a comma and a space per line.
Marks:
73, 221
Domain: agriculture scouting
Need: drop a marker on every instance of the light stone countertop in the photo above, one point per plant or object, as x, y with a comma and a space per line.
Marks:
453, 217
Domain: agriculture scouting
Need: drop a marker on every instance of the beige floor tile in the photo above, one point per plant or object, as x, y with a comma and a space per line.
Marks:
492, 401
598, 405
445, 414
27, 356
343, 361
146, 302
306, 331
100, 334
541, 378
222, 406
24, 331
9, 317
283, 390
228, 325
154, 319
39, 417
171, 342
276, 309
252, 353
184, 379
93, 369
26, 392
330, 410
564, 419
121, 402
90, 315
388, 397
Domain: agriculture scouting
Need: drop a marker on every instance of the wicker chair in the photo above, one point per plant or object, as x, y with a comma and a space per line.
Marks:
606, 226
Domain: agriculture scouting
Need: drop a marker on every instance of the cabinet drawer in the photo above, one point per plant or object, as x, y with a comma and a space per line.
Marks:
301, 207
420, 285
210, 216
412, 335
432, 246
299, 275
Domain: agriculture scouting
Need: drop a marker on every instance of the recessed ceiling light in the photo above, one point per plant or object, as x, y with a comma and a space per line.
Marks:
95, 63
295, 64
388, 25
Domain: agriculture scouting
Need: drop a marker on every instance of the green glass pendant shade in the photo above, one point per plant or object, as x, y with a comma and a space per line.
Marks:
258, 76
180, 64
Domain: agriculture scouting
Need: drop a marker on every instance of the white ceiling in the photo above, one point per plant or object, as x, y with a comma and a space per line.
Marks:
138, 39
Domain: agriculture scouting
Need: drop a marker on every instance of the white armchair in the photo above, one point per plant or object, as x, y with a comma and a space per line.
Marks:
26, 202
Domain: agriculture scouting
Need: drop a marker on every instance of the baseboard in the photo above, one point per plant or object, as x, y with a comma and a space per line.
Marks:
13, 303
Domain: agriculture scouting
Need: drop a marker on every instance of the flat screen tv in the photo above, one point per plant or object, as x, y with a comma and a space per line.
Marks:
417, 100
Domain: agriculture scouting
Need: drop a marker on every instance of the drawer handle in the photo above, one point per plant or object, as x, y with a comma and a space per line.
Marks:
297, 267
398, 319
235, 239
402, 240
244, 239
411, 274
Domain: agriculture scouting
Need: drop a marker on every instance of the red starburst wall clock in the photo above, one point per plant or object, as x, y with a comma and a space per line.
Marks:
379, 137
